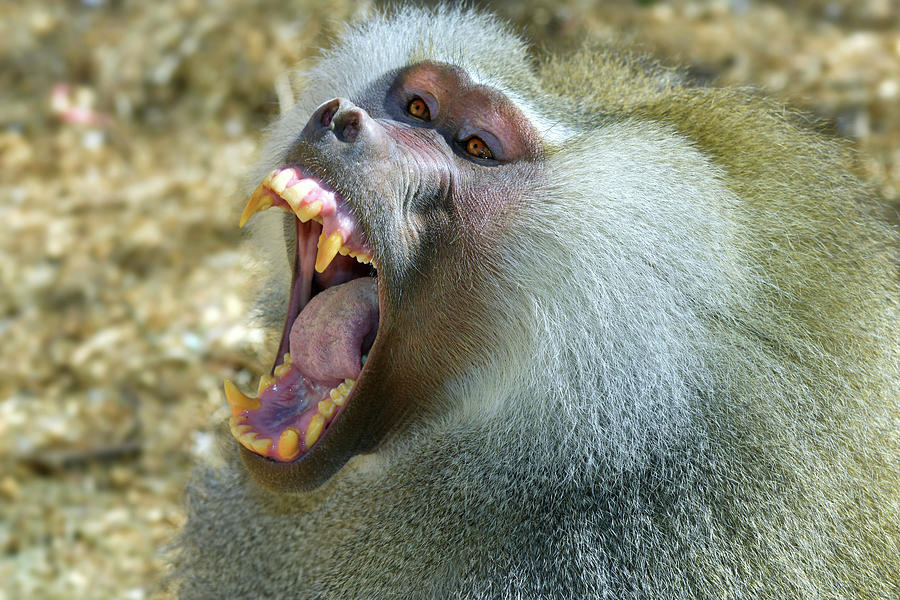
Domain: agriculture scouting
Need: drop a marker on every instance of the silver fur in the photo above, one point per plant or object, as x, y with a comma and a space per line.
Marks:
639, 419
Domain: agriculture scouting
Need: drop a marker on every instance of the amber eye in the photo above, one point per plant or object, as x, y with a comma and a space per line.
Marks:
476, 147
418, 109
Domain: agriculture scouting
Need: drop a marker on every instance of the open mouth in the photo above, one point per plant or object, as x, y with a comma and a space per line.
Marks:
330, 327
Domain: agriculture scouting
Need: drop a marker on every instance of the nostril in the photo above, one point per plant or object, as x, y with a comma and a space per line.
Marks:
327, 118
350, 129
339, 116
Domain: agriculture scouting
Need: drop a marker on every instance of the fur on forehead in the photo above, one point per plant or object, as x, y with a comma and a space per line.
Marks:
390, 41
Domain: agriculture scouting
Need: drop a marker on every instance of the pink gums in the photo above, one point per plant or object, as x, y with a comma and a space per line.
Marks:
292, 401
335, 214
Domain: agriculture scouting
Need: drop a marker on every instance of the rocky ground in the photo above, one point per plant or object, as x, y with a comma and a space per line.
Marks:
124, 283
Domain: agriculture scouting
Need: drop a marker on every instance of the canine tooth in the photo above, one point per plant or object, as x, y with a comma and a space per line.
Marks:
260, 445
328, 247
314, 430
237, 401
280, 181
295, 194
259, 200
289, 443
264, 382
326, 408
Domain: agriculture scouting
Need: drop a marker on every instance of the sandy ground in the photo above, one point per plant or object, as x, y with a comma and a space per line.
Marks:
125, 286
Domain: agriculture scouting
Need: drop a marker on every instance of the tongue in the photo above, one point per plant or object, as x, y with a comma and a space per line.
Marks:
330, 335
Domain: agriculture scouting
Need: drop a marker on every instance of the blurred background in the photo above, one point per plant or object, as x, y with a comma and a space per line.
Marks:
125, 128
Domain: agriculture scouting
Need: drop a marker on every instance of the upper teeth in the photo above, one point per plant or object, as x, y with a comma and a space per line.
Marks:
297, 197
279, 180
327, 249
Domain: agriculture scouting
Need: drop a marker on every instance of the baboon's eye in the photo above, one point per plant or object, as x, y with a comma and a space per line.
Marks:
476, 147
418, 109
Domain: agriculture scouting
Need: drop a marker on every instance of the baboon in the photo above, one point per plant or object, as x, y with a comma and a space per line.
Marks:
555, 328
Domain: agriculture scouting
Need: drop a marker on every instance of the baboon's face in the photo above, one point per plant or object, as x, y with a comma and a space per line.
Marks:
394, 198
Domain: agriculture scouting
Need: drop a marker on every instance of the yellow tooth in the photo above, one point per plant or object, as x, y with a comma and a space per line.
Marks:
340, 393
345, 388
261, 445
259, 200
343, 250
289, 443
280, 181
284, 366
264, 382
306, 212
281, 369
250, 441
326, 408
342, 388
246, 439
295, 194
235, 423
314, 430
327, 249
237, 401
